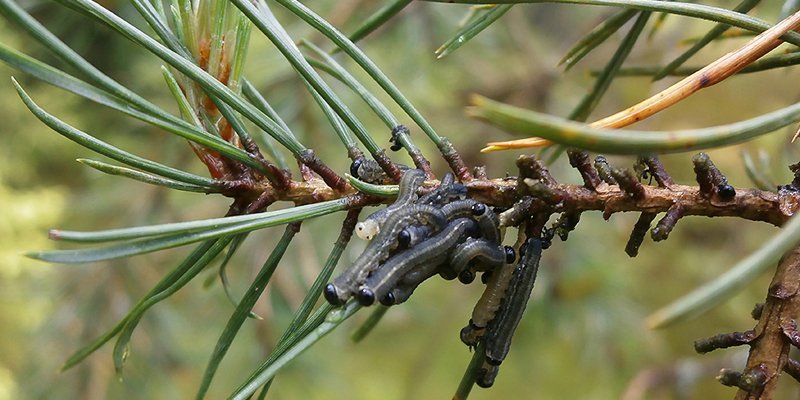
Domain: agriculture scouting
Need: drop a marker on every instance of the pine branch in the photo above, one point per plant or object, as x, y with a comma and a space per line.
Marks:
772, 338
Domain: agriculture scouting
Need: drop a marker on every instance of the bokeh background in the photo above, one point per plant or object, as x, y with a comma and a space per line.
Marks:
583, 335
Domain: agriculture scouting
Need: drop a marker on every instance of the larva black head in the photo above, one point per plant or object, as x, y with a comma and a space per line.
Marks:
404, 238
726, 192
447, 274
511, 255
331, 295
388, 300
466, 277
365, 296
396, 147
355, 166
478, 209
486, 276
485, 377
467, 335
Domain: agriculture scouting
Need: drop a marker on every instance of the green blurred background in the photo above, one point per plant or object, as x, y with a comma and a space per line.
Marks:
583, 335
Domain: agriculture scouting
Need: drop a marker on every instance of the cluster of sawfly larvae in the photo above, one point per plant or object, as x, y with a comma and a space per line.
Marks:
442, 231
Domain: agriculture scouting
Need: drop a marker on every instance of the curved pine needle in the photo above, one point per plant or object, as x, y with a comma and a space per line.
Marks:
728, 284
120, 351
472, 29
167, 281
112, 94
603, 82
687, 9
332, 320
101, 147
595, 37
333, 68
264, 21
301, 316
244, 308
764, 64
376, 20
312, 322
716, 31
369, 324
161, 120
285, 216
758, 177
150, 244
334, 120
713, 73
194, 72
366, 64
145, 177
254, 96
223, 275
372, 189
614, 141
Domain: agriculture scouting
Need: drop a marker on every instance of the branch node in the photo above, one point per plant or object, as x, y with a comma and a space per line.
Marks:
656, 170
580, 160
543, 192
711, 180
758, 309
531, 167
729, 377
454, 160
604, 170
519, 211
792, 367
565, 224
388, 166
789, 328
401, 138
795, 168
749, 381
779, 291
665, 226
330, 177
629, 183
638, 233
723, 341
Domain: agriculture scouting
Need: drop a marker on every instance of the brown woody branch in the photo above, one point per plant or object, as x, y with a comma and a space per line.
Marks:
770, 341
769, 352
752, 204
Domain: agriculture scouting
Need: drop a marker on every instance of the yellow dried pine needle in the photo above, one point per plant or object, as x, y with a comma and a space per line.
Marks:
711, 74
